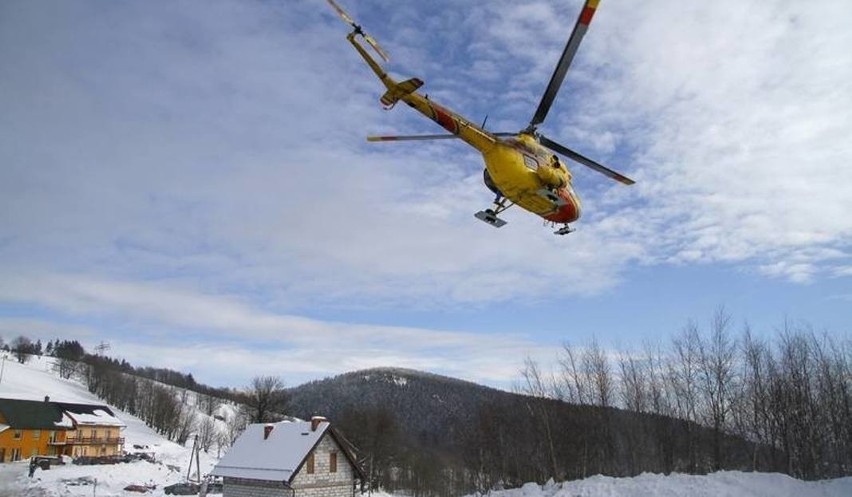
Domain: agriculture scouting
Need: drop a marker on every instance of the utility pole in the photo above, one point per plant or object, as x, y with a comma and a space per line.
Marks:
102, 347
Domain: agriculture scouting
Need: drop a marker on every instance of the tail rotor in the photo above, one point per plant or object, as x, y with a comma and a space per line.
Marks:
358, 30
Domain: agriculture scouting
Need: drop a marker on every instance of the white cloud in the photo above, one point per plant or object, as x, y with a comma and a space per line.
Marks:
219, 337
217, 150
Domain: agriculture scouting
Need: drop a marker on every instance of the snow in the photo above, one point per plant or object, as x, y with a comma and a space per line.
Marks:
721, 484
35, 380
98, 417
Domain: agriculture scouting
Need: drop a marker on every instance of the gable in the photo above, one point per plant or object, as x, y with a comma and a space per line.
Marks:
320, 460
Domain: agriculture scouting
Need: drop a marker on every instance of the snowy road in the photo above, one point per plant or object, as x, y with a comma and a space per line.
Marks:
12, 484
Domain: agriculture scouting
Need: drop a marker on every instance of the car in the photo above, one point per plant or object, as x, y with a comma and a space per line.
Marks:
186, 488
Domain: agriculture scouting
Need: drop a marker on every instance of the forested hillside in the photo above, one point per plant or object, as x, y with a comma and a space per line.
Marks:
428, 433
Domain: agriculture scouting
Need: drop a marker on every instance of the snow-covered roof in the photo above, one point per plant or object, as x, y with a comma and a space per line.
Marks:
47, 414
89, 414
98, 417
65, 422
275, 458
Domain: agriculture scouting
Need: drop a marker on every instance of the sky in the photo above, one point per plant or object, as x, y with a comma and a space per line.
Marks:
189, 181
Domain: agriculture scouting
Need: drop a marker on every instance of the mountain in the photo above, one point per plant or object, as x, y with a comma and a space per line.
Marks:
421, 402
434, 425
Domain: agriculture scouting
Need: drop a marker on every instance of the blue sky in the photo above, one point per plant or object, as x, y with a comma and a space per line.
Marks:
189, 181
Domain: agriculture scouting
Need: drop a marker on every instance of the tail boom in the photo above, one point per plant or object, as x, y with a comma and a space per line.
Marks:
406, 91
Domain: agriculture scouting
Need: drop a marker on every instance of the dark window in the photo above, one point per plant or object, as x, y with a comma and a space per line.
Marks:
311, 464
332, 462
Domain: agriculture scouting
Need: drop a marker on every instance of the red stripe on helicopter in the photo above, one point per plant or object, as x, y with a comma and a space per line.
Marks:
445, 119
568, 213
586, 15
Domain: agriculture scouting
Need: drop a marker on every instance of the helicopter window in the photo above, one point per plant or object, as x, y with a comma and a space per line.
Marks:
530, 162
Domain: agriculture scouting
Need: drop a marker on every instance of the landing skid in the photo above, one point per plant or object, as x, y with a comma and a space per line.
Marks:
564, 230
490, 215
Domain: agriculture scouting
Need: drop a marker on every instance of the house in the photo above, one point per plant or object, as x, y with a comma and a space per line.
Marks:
290, 459
45, 428
96, 431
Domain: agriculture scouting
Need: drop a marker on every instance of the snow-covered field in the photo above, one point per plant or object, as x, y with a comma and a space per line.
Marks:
35, 380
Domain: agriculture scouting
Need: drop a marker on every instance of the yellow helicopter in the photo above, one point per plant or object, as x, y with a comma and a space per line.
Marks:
520, 168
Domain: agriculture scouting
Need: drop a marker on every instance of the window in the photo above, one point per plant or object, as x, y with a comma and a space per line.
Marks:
51, 436
311, 464
332, 462
36, 434
16, 455
530, 162
17, 436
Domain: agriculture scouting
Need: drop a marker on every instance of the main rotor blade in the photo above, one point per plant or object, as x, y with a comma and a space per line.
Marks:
564, 62
567, 152
399, 138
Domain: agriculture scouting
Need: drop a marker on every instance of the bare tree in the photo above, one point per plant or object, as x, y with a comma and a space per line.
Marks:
684, 379
634, 382
716, 362
22, 347
236, 425
573, 386
206, 433
536, 386
266, 398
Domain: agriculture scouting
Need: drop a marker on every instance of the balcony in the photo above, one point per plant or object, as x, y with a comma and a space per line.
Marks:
53, 441
95, 441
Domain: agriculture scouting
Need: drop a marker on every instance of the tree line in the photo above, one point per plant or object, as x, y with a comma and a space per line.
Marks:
709, 398
790, 397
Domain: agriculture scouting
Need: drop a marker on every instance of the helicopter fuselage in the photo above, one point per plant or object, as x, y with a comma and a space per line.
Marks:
513, 162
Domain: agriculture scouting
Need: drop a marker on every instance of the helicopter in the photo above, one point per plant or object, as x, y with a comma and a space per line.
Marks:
521, 168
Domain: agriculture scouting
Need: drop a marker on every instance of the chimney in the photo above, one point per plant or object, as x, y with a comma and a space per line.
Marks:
267, 430
47, 398
315, 421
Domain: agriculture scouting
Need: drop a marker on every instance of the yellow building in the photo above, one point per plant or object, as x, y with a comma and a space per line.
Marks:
95, 431
30, 428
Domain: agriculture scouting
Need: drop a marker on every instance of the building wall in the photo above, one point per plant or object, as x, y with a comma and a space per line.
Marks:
324, 483
241, 487
94, 441
16, 445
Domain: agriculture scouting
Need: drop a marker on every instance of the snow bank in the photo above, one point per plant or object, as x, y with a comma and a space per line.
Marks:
722, 484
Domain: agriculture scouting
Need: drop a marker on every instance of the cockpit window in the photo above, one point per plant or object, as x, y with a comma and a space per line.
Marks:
530, 162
